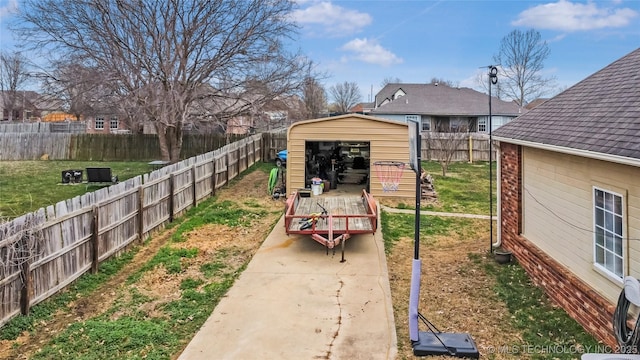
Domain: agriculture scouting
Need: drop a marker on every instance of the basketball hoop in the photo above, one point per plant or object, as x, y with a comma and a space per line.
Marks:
389, 174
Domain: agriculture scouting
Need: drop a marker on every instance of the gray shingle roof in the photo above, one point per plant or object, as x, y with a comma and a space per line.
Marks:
430, 99
600, 114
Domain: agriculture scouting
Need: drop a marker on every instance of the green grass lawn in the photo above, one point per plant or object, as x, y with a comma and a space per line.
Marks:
26, 186
465, 189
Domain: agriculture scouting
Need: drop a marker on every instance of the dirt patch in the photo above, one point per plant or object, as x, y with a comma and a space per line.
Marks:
456, 294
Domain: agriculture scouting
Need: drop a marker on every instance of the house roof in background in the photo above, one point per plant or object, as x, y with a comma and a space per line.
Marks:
362, 107
599, 114
431, 99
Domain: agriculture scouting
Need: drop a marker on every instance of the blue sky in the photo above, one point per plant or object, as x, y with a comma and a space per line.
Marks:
368, 41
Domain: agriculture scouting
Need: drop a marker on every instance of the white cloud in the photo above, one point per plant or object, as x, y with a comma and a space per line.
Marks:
325, 18
370, 51
10, 8
567, 16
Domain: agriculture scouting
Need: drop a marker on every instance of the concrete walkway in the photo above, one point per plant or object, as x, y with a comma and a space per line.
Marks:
294, 301
436, 213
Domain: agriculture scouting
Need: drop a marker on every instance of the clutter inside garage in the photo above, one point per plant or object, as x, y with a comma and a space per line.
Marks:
332, 163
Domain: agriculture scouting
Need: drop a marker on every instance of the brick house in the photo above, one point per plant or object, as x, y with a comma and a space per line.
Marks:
569, 196
107, 123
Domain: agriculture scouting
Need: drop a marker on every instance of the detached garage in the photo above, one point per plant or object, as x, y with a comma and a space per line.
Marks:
343, 149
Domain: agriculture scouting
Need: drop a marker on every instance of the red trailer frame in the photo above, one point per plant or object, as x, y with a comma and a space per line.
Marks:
347, 215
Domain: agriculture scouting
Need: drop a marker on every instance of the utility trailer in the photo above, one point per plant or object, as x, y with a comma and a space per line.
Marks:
345, 215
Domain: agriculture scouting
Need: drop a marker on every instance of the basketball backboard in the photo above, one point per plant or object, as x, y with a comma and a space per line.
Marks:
414, 145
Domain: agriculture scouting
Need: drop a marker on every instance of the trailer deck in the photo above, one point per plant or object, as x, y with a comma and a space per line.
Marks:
346, 215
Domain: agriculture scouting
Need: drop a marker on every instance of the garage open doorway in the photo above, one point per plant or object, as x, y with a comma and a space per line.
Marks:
345, 165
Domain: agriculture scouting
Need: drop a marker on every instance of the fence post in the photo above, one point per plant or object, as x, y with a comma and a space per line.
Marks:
264, 139
470, 148
214, 178
193, 179
141, 213
95, 256
27, 287
171, 187
246, 154
228, 167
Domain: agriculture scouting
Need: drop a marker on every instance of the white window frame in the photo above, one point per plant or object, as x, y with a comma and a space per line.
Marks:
482, 123
609, 245
99, 123
415, 118
113, 120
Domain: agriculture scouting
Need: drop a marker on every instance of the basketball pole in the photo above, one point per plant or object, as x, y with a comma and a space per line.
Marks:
416, 265
432, 341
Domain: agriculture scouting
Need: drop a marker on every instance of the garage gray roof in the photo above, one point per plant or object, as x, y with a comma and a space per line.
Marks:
431, 99
599, 114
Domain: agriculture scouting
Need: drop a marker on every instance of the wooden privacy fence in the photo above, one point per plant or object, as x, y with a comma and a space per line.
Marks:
273, 142
101, 147
44, 127
44, 251
472, 147
468, 146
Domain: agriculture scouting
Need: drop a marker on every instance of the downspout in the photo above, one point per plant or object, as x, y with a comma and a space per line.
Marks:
498, 197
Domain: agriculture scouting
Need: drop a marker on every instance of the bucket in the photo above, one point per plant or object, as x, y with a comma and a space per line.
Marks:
316, 181
316, 189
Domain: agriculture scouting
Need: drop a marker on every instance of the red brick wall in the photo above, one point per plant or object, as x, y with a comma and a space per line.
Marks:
580, 301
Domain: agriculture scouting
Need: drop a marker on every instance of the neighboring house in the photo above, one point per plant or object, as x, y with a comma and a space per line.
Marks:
275, 114
534, 103
23, 107
363, 108
107, 123
569, 194
441, 108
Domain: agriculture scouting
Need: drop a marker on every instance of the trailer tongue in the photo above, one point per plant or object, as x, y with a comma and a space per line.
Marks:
331, 220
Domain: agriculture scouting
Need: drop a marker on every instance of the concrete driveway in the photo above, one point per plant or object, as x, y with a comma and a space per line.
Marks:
295, 302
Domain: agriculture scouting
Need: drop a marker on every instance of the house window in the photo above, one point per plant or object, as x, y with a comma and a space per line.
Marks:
408, 118
113, 122
608, 247
482, 125
99, 123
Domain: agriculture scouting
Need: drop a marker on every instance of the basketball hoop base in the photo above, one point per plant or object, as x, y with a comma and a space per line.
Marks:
448, 344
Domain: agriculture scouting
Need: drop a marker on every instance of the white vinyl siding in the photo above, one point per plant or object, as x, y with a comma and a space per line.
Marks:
559, 217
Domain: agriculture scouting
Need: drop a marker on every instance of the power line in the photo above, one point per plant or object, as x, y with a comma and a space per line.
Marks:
578, 227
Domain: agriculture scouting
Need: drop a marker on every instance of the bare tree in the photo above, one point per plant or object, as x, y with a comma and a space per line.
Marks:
74, 84
446, 144
442, 81
521, 60
162, 56
314, 97
345, 96
482, 84
390, 80
14, 72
